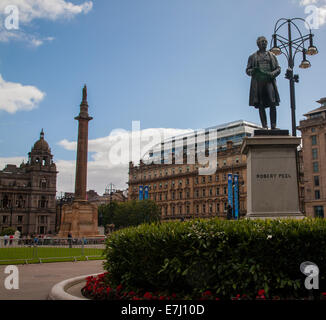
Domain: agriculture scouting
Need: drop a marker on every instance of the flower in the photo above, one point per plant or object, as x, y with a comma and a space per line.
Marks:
148, 295
261, 292
119, 287
173, 295
207, 293
269, 236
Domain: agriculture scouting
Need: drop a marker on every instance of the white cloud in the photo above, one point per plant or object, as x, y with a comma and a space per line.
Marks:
30, 10
13, 160
101, 170
46, 9
17, 97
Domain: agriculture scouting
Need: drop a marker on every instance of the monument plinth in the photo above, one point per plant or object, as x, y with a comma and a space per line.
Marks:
80, 218
272, 185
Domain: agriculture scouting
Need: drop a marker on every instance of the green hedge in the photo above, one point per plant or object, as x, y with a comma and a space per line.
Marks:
226, 257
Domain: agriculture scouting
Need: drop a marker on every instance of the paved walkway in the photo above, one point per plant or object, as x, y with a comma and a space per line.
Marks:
36, 280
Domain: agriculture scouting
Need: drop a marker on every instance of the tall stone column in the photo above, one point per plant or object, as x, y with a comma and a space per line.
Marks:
82, 149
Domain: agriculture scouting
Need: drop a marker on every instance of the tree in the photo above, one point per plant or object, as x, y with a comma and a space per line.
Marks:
130, 213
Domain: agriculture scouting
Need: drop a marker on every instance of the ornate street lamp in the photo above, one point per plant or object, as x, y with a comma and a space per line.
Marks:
290, 47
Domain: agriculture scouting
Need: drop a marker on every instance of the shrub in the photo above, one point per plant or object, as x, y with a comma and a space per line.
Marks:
227, 258
7, 231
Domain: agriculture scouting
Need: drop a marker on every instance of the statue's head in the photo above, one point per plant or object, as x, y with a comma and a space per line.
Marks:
262, 42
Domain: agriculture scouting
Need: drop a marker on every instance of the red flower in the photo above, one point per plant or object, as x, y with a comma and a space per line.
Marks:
173, 295
261, 292
132, 293
207, 293
108, 290
148, 295
119, 287
162, 298
135, 298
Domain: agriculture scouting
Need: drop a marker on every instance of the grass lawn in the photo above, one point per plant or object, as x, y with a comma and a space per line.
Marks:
47, 254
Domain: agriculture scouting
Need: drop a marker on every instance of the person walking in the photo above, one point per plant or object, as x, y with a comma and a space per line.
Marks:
5, 238
70, 239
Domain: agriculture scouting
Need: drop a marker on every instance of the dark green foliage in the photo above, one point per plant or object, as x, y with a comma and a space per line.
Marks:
129, 213
8, 232
226, 257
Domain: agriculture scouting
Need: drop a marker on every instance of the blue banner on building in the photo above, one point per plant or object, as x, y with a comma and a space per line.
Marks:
230, 191
140, 192
236, 196
145, 192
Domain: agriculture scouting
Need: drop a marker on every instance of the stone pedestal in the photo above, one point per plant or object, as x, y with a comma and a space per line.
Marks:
272, 187
80, 219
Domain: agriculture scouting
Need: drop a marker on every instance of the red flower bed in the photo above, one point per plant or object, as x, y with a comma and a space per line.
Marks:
98, 288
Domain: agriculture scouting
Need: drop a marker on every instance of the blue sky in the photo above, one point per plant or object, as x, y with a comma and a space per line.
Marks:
169, 64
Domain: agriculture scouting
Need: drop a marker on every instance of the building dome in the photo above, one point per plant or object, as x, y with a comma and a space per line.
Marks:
41, 144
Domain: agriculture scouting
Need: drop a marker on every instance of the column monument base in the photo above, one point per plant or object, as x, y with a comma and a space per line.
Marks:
80, 219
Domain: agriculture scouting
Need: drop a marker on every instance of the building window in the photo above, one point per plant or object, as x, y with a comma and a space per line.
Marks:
197, 193
197, 208
316, 181
160, 197
19, 219
173, 195
203, 180
224, 162
4, 219
315, 167
224, 176
204, 208
217, 207
210, 192
204, 192
173, 210
188, 194
180, 195
187, 181
180, 209
43, 183
210, 208
319, 211
314, 154
188, 169
313, 140
196, 180
224, 190
313, 129
180, 183
210, 179
172, 184
237, 160
217, 191
317, 194
180, 170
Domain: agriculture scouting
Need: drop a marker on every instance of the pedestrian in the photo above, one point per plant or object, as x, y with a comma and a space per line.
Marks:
70, 239
5, 238
229, 215
11, 239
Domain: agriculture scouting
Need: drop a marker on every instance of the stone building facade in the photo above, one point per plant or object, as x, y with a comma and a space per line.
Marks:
27, 192
313, 130
180, 190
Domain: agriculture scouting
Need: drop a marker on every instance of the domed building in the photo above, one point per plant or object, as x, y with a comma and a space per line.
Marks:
27, 192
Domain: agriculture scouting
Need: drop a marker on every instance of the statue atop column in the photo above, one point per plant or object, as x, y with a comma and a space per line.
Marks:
85, 94
263, 68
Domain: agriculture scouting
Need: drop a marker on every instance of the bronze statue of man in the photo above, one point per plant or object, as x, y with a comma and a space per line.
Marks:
263, 68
